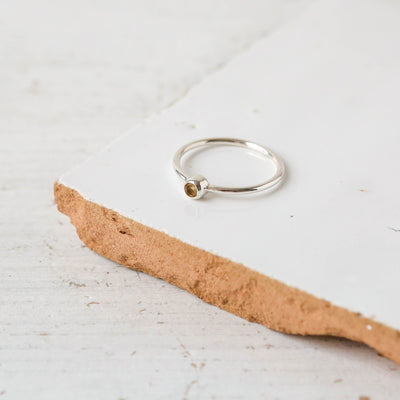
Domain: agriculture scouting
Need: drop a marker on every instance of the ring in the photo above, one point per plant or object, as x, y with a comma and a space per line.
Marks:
197, 186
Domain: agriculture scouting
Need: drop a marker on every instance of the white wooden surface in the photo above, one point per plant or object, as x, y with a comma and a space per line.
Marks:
74, 325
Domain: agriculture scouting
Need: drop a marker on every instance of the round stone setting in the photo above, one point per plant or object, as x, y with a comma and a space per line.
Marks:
196, 187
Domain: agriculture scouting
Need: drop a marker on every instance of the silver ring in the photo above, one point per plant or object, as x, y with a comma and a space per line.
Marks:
197, 186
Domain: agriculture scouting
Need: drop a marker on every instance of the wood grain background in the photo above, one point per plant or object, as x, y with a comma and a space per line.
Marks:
74, 75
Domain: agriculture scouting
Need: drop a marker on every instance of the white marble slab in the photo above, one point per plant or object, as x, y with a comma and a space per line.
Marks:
325, 96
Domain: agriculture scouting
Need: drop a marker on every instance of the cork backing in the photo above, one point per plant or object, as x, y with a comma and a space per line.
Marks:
216, 280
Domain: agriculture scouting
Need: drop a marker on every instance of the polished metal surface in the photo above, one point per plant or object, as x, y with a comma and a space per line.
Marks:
197, 186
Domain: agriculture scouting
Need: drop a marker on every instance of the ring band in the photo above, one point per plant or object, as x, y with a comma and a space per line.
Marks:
197, 186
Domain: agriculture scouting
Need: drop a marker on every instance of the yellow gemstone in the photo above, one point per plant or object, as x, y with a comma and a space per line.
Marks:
191, 190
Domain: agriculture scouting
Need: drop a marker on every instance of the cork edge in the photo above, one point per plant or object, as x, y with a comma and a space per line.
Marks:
216, 280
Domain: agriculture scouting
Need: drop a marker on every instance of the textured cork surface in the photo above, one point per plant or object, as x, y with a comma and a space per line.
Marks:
217, 280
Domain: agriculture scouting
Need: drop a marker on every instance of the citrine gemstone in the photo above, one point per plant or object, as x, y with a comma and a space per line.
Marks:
191, 189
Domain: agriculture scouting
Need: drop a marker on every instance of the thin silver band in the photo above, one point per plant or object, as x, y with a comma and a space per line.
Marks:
197, 186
